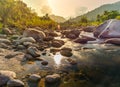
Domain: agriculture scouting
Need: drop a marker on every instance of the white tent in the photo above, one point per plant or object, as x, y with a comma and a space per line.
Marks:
109, 29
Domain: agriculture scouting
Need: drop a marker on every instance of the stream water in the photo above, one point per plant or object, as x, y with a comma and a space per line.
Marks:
104, 56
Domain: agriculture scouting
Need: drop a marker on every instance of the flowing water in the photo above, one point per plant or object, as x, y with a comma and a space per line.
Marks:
89, 58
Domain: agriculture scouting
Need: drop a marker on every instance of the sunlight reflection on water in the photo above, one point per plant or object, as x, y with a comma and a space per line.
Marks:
57, 58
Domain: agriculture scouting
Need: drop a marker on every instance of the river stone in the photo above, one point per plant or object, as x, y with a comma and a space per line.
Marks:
3, 36
34, 78
8, 56
44, 63
3, 45
21, 47
66, 52
28, 57
15, 83
6, 41
72, 61
57, 43
9, 74
6, 31
33, 51
71, 36
89, 28
52, 78
27, 39
27, 43
115, 41
49, 38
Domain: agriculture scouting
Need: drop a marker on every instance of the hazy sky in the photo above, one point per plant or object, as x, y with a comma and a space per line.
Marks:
66, 8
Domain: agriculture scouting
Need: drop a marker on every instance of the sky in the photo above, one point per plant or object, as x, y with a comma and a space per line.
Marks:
65, 8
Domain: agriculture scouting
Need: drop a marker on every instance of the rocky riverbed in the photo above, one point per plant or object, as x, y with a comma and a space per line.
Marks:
67, 58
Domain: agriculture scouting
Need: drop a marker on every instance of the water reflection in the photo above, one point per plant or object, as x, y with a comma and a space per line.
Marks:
57, 58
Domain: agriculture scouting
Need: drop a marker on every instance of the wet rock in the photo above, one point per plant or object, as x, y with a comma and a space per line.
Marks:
52, 78
15, 83
84, 39
52, 34
80, 40
44, 53
33, 51
115, 41
89, 28
3, 80
28, 57
65, 48
89, 38
9, 74
14, 37
27, 39
27, 43
3, 36
73, 34
66, 52
34, 78
50, 38
8, 56
54, 50
6, 41
57, 43
36, 34
76, 32
3, 45
72, 62
112, 31
6, 31
21, 47
44, 63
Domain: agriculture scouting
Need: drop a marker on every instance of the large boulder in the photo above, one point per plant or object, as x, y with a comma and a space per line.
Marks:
115, 41
109, 29
36, 34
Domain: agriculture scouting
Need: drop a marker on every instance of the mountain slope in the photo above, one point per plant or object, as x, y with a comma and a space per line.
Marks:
93, 14
58, 19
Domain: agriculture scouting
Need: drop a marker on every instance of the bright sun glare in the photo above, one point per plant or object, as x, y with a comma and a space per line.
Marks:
57, 58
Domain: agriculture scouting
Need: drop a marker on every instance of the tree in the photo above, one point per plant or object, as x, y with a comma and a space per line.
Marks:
108, 15
84, 19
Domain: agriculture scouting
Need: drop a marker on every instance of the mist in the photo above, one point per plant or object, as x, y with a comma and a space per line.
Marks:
40, 6
80, 11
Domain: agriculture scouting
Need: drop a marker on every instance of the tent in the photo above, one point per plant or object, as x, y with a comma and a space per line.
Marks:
109, 29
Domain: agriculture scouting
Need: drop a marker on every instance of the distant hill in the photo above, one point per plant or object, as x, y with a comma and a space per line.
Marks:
58, 19
93, 14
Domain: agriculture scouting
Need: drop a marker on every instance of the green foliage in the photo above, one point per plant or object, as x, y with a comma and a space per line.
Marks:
15, 13
91, 15
84, 19
107, 15
118, 17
